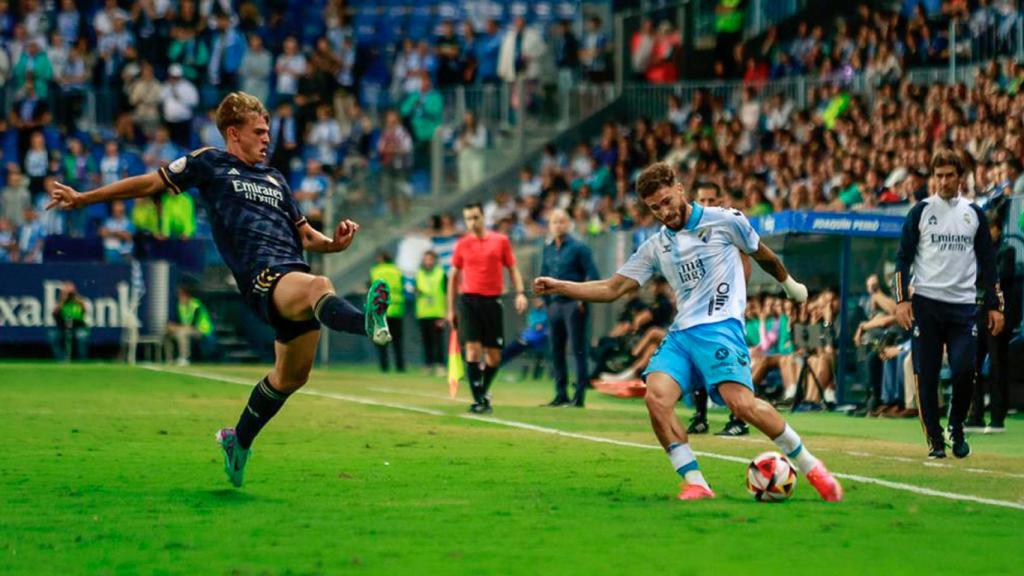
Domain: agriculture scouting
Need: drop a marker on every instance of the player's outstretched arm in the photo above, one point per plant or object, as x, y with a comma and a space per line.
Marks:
314, 241
67, 198
770, 262
607, 290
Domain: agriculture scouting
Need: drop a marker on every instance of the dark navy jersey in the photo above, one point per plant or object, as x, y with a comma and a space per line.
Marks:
254, 218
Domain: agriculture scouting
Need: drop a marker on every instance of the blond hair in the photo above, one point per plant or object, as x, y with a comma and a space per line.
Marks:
237, 108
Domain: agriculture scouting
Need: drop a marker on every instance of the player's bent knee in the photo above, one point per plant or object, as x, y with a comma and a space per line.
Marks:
320, 284
291, 380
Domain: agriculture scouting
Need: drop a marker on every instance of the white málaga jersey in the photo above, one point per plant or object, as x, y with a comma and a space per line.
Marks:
702, 264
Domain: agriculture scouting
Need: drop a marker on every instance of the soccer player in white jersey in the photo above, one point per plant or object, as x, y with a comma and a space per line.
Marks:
698, 251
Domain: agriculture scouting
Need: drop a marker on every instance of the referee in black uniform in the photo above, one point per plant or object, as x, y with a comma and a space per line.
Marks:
566, 258
947, 241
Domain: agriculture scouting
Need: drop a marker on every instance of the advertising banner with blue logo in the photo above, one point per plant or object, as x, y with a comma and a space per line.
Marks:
837, 223
29, 294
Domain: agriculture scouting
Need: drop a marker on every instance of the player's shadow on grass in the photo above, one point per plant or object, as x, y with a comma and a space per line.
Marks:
225, 496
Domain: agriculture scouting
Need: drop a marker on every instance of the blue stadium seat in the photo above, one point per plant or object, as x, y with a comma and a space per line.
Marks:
364, 26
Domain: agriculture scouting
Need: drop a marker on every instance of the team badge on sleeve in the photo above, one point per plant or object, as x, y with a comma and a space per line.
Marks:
178, 165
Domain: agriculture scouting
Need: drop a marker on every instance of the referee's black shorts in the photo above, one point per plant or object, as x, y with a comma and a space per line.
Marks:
481, 320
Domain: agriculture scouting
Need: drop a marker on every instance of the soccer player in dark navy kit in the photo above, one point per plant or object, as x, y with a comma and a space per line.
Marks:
946, 239
261, 235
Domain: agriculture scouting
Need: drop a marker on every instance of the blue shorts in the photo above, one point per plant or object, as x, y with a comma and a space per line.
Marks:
704, 356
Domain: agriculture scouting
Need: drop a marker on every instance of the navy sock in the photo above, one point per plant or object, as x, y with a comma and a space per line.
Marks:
489, 373
475, 376
338, 314
264, 402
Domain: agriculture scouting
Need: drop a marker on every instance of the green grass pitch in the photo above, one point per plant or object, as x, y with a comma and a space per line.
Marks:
108, 469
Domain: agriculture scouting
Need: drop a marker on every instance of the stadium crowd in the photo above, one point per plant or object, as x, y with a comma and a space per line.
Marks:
877, 39
158, 69
844, 151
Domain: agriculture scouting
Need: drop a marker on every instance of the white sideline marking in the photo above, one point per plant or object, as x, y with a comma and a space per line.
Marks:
930, 464
599, 439
306, 391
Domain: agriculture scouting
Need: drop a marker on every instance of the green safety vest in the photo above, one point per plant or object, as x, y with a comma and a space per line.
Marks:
391, 276
145, 217
730, 19
430, 293
193, 313
179, 216
72, 311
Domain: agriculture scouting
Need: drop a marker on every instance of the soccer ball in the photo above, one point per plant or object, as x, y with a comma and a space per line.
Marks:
770, 477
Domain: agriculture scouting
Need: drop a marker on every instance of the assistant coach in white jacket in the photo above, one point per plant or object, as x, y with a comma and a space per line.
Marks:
946, 241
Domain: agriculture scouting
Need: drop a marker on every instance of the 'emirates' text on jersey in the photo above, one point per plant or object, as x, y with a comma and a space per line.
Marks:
949, 246
702, 264
254, 218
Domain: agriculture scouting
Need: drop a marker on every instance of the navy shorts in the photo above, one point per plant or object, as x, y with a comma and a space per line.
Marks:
260, 299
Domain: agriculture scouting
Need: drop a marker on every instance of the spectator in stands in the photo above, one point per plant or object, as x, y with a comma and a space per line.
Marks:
145, 94
15, 197
71, 331
113, 165
255, 69
312, 193
423, 109
386, 271
27, 114
206, 130
161, 150
662, 67
325, 136
595, 51
226, 52
488, 51
187, 52
470, 145
522, 49
395, 149
449, 59
69, 21
31, 237
566, 50
284, 143
33, 67
431, 312
641, 46
193, 327
37, 163
117, 233
180, 99
8, 241
290, 66
103, 20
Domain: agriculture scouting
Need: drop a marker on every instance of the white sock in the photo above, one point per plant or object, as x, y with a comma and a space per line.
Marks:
790, 444
789, 393
830, 395
685, 463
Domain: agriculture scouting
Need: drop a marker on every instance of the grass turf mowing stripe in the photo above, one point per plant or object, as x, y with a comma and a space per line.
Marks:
600, 439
